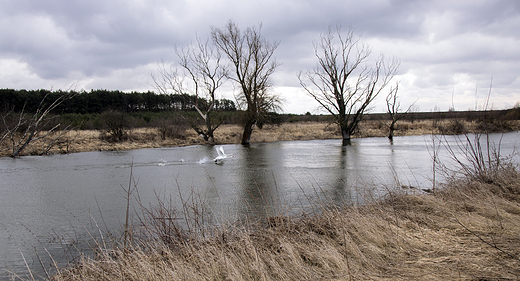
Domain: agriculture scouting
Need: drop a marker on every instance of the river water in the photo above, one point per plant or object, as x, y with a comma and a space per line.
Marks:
50, 206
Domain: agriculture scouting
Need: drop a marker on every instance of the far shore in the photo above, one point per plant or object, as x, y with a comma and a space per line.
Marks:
138, 138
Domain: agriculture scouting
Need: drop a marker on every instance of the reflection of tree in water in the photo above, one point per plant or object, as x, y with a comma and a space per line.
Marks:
271, 184
260, 195
344, 180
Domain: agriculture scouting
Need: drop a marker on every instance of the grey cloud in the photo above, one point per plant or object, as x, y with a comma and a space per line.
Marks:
437, 41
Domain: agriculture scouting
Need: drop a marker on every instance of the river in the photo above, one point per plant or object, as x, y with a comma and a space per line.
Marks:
51, 205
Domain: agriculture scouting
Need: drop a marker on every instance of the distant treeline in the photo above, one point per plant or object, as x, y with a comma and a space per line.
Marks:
98, 101
469, 115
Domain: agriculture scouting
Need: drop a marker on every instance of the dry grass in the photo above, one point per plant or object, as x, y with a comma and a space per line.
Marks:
86, 140
467, 231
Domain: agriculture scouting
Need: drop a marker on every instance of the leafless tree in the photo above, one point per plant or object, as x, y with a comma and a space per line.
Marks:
5, 127
343, 83
27, 128
251, 56
393, 106
203, 73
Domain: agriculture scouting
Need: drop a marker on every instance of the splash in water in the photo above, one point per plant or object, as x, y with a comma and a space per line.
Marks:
205, 160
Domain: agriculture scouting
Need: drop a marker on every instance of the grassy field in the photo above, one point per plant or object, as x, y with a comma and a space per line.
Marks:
91, 140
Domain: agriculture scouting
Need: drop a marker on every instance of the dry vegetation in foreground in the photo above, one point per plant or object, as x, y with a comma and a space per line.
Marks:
89, 140
468, 230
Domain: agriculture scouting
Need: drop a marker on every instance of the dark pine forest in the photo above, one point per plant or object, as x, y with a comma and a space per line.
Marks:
99, 101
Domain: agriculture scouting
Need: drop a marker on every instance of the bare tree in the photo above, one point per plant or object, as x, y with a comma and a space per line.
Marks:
251, 56
5, 126
393, 106
342, 83
203, 74
27, 128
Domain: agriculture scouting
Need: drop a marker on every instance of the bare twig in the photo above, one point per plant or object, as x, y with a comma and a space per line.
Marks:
128, 192
486, 242
27, 266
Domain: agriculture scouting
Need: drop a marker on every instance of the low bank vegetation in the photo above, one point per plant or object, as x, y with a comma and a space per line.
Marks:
173, 131
466, 230
47, 122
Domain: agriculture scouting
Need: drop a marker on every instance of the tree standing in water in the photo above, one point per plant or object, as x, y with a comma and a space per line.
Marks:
393, 105
343, 83
252, 61
205, 73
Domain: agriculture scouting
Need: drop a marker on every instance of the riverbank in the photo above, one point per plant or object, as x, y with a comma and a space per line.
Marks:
467, 230
89, 140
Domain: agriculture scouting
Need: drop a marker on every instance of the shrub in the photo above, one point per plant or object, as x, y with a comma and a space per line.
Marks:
454, 127
115, 125
494, 126
170, 127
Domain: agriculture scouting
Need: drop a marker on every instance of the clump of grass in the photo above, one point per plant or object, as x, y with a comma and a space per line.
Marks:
495, 125
453, 127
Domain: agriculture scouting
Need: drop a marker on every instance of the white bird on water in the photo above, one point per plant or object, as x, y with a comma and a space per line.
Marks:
221, 154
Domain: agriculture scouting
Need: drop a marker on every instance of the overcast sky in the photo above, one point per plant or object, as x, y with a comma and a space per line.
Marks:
449, 50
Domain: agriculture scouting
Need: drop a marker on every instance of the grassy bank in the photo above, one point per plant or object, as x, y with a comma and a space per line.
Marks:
93, 140
468, 230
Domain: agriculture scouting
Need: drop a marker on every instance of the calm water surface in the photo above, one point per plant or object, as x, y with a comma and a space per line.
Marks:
54, 203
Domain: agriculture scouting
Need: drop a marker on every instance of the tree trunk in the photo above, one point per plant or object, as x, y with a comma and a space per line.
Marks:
210, 130
346, 142
345, 133
248, 130
392, 127
16, 152
391, 133
211, 139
